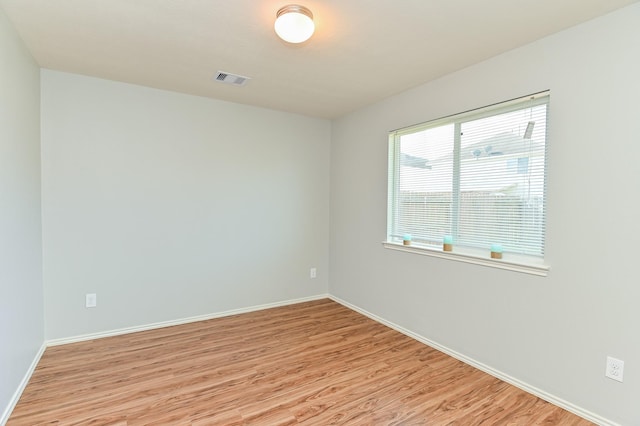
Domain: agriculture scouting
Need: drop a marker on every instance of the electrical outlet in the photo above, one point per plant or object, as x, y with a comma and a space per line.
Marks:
91, 300
313, 273
615, 368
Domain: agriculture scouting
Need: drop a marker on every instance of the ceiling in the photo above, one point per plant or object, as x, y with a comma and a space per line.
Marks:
362, 51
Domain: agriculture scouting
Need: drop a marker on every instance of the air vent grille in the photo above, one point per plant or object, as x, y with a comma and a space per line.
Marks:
227, 77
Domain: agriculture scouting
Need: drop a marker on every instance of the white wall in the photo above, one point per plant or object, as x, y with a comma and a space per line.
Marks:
21, 294
169, 206
552, 333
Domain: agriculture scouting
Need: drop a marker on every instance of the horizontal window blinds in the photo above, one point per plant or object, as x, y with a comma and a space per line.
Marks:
478, 177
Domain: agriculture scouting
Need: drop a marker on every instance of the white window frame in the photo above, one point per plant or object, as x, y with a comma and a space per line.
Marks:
510, 261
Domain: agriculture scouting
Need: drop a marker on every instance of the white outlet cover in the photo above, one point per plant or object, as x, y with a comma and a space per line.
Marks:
91, 300
615, 369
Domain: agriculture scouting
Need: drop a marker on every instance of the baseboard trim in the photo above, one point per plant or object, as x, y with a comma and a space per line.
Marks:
592, 417
171, 323
23, 384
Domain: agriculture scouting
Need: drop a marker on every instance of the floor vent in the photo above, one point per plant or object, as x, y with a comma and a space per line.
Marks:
226, 77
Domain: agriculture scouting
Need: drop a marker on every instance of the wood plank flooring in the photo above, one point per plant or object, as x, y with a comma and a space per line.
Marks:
315, 363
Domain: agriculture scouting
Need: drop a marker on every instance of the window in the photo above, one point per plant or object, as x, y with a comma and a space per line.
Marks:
477, 178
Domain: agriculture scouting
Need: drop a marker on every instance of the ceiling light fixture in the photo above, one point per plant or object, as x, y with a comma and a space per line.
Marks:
294, 23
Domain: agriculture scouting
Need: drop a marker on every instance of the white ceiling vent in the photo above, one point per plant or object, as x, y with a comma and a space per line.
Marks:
227, 77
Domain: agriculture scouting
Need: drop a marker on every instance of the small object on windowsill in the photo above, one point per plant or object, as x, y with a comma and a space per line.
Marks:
406, 239
496, 251
447, 243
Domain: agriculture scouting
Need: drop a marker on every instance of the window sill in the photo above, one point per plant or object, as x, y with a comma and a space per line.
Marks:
476, 259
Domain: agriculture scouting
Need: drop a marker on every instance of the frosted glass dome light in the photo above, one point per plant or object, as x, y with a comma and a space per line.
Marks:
294, 23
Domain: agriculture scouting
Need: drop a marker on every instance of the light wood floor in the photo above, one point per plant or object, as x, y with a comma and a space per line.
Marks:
315, 363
